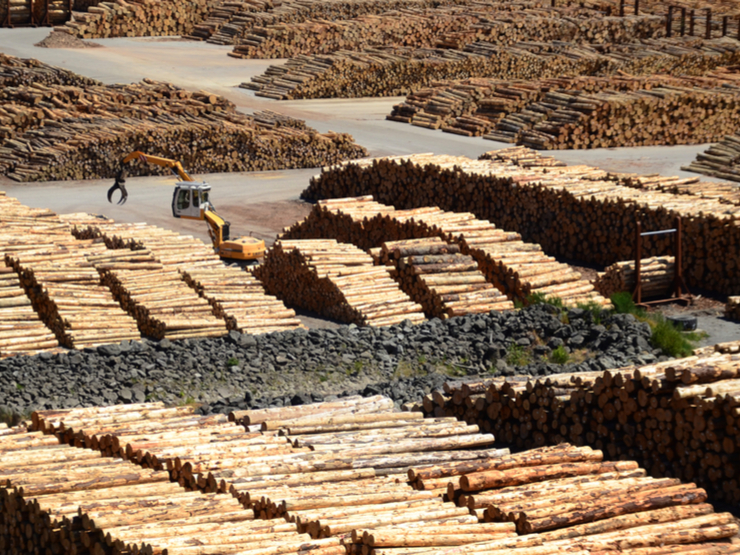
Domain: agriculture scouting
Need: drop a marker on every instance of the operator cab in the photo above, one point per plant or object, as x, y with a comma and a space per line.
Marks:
191, 199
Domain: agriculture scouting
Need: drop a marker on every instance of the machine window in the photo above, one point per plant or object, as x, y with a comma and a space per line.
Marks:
196, 199
183, 200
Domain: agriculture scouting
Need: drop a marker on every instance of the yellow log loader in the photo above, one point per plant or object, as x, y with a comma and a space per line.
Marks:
191, 200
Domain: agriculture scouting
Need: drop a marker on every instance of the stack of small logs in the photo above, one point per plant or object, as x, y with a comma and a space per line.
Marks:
720, 160
67, 293
71, 500
240, 299
443, 281
397, 70
573, 211
732, 309
514, 267
656, 277
676, 418
446, 26
54, 130
336, 280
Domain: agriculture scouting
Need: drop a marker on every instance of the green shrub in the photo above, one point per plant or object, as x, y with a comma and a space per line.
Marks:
517, 355
670, 339
623, 304
559, 355
541, 298
594, 308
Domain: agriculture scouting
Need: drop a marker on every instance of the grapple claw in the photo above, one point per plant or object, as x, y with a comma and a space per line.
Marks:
119, 184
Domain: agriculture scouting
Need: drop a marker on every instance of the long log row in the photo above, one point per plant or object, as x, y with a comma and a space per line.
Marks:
501, 109
656, 277
352, 483
719, 160
394, 71
676, 418
570, 211
583, 112
337, 280
514, 267
63, 131
443, 281
67, 293
136, 18
732, 308
69, 500
448, 27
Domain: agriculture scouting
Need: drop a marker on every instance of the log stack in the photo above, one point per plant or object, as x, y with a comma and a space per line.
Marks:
516, 268
445, 26
23, 333
443, 281
676, 418
240, 299
72, 500
373, 480
719, 160
53, 130
397, 70
233, 294
732, 309
576, 212
656, 280
67, 294
163, 304
337, 280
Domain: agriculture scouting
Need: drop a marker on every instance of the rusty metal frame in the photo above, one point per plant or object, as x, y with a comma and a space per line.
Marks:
680, 291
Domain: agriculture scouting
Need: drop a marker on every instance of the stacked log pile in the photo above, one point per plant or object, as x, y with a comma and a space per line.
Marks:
570, 211
240, 299
351, 486
396, 70
73, 500
136, 18
234, 295
67, 294
443, 281
21, 330
516, 268
656, 277
163, 304
582, 112
732, 308
337, 280
719, 160
55, 131
676, 418
445, 26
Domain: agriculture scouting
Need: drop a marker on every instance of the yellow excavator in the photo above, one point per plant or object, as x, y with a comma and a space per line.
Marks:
190, 200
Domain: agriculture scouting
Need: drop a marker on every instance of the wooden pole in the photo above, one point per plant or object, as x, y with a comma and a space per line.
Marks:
708, 30
637, 295
668, 22
691, 23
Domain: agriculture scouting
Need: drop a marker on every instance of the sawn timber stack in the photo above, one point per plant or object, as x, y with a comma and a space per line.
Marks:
337, 280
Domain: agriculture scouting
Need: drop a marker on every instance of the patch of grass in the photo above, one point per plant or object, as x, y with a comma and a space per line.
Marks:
559, 355
541, 298
453, 371
517, 355
233, 361
13, 418
20, 387
594, 308
623, 304
670, 339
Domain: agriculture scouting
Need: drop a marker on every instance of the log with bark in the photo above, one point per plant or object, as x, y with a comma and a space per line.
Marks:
719, 160
577, 212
